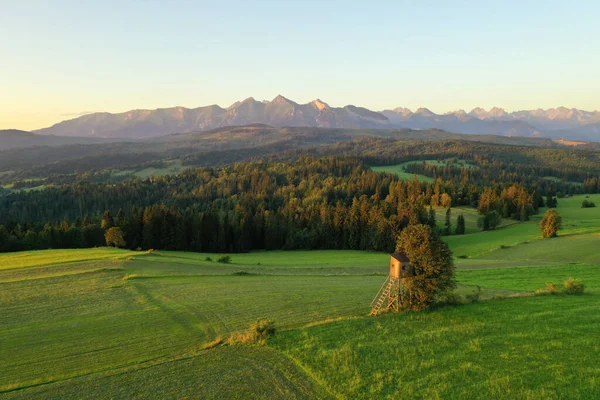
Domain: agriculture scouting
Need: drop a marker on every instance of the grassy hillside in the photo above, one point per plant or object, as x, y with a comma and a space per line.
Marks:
402, 174
113, 323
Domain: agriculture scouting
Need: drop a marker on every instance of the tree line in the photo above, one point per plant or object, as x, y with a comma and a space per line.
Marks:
312, 203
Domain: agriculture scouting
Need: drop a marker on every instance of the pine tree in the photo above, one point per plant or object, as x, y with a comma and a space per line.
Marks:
448, 223
524, 215
107, 221
460, 225
431, 218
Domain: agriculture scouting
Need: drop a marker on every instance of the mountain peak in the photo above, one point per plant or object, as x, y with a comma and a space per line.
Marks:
478, 111
319, 104
458, 113
497, 112
281, 99
425, 112
403, 111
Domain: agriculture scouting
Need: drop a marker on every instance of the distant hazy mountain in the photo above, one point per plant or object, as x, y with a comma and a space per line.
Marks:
556, 123
553, 123
13, 138
459, 122
278, 112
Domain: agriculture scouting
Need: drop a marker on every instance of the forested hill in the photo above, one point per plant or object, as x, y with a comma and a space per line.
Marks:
297, 202
215, 147
13, 138
325, 203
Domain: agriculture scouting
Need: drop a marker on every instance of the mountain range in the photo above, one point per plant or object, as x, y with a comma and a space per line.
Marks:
570, 124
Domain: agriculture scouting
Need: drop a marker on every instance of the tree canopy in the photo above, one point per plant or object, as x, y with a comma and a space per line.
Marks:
432, 264
550, 224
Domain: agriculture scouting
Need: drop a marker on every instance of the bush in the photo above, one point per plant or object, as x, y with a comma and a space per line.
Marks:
224, 260
574, 286
475, 296
259, 332
551, 288
450, 299
489, 221
587, 204
263, 327
463, 256
208, 259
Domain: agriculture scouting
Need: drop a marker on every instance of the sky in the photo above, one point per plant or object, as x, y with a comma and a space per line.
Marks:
60, 58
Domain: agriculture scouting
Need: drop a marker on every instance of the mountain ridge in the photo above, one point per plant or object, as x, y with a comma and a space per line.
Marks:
559, 122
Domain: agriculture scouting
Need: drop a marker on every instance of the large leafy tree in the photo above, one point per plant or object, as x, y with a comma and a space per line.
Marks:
432, 264
550, 224
114, 237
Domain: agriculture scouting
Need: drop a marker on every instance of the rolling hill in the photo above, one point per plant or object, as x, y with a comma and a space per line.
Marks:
13, 138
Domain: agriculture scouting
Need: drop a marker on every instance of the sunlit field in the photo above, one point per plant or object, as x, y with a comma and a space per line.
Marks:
129, 324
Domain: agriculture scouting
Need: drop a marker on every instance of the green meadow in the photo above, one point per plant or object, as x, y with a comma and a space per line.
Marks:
105, 323
400, 169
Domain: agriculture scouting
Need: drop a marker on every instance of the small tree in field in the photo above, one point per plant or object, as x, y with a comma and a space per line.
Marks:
432, 263
550, 224
460, 225
448, 224
489, 221
114, 237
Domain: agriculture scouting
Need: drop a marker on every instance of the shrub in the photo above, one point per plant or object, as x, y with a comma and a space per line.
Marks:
208, 259
450, 299
263, 327
463, 256
587, 204
224, 260
489, 221
574, 286
259, 332
214, 343
551, 288
475, 296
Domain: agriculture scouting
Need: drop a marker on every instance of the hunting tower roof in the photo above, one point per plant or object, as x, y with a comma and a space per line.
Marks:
401, 257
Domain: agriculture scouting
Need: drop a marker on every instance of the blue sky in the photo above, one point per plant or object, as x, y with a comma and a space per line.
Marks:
61, 58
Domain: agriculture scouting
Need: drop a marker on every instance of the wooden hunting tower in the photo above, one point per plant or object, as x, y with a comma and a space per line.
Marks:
399, 265
392, 289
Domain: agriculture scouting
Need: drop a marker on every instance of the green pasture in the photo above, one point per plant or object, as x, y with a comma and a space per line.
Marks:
107, 323
400, 169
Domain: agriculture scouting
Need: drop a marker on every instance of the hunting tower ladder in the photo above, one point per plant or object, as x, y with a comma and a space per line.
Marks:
392, 291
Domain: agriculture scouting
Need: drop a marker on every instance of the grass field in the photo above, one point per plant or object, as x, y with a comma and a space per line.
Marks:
400, 169
118, 324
